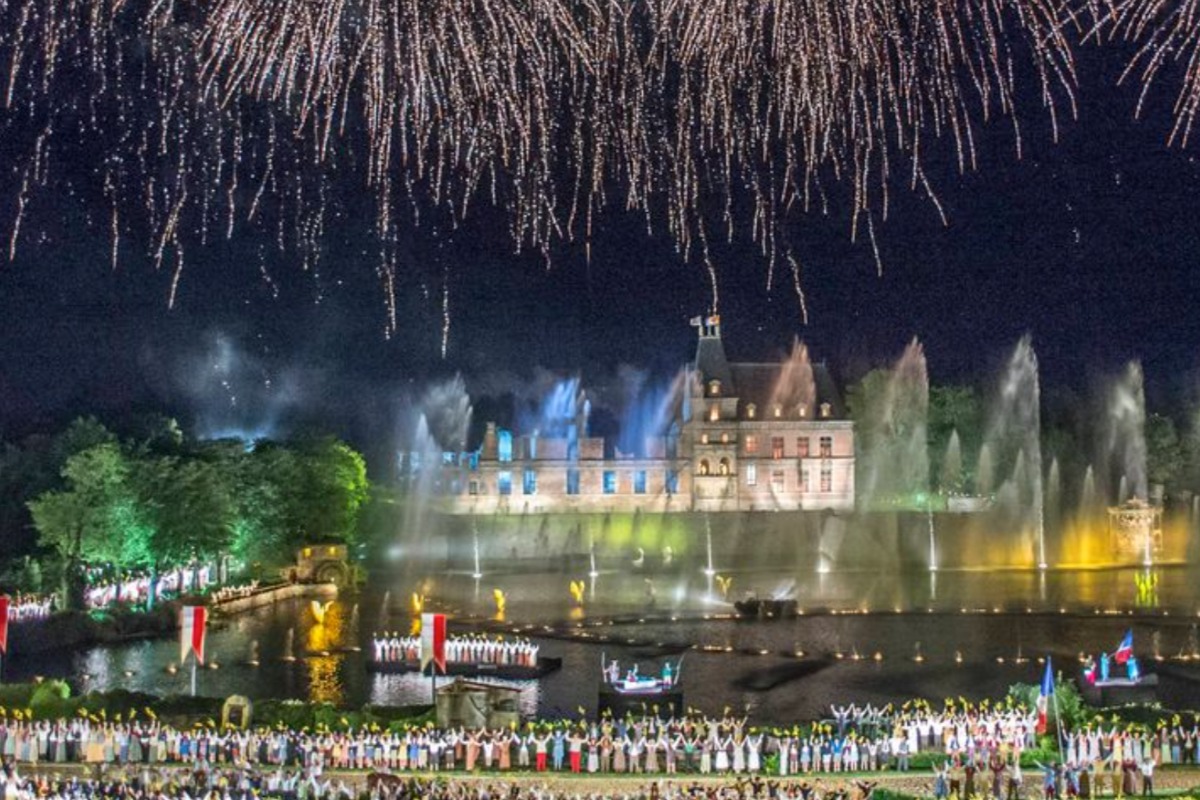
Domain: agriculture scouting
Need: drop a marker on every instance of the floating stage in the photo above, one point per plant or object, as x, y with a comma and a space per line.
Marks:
1119, 691
621, 702
509, 672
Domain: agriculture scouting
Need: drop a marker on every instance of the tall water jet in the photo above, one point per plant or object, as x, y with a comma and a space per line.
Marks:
477, 573
933, 563
289, 645
950, 476
385, 609
1013, 439
795, 387
1125, 440
893, 434
985, 475
709, 568
593, 573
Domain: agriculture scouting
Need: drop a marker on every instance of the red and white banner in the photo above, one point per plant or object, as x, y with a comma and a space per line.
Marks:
433, 641
192, 623
4, 604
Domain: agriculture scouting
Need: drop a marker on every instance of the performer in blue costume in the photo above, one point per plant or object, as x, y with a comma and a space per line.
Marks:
1104, 667
1132, 666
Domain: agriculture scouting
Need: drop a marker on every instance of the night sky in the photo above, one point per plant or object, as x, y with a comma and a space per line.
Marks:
1090, 245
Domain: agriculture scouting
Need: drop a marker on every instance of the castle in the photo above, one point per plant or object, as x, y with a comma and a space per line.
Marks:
742, 437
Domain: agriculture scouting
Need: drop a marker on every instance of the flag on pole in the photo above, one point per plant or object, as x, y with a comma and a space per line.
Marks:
1125, 648
433, 641
1044, 696
4, 624
192, 623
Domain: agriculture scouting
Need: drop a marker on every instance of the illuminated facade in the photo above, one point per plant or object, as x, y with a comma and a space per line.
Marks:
745, 437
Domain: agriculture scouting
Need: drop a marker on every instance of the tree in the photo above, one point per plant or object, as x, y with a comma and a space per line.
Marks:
954, 409
1164, 454
96, 515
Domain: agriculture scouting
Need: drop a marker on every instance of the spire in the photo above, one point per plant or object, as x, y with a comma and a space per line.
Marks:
711, 363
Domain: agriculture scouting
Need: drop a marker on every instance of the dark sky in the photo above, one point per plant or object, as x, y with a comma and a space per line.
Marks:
1090, 245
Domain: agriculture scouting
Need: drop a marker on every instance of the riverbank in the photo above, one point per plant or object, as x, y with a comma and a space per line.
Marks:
74, 629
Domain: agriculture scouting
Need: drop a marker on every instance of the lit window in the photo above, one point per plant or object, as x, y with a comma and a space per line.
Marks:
529, 484
332, 551
826, 410
776, 447
308, 552
778, 411
826, 480
801, 447
802, 410
572, 481
504, 482
714, 412
751, 411
751, 474
610, 481
724, 466
639, 481
751, 443
714, 388
724, 438
704, 468
826, 445
704, 438
504, 447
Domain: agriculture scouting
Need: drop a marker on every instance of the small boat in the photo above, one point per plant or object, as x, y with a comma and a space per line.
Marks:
475, 669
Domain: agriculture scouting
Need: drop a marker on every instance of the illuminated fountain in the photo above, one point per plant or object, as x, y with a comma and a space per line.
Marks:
478, 572
709, 569
933, 563
593, 573
289, 645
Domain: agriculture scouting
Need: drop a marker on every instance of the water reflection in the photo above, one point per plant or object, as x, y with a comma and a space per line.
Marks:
963, 633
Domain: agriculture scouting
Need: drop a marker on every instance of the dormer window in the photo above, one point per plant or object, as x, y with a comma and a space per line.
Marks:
778, 411
724, 438
714, 412
803, 410
714, 388
704, 468
751, 411
826, 410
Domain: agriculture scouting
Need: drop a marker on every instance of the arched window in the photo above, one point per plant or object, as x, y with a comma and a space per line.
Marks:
723, 467
714, 388
714, 412
751, 411
724, 438
704, 469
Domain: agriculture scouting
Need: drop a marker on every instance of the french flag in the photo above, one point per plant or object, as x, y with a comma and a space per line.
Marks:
1043, 702
433, 641
192, 622
1125, 648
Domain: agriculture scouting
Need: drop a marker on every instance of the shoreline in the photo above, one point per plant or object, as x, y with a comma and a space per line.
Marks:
77, 629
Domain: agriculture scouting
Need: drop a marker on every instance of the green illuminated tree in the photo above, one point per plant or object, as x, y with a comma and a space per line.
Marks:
95, 517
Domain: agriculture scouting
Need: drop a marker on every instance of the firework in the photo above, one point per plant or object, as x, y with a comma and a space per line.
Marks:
714, 118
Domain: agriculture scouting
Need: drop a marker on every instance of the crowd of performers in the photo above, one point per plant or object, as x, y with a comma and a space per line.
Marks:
473, 649
135, 588
975, 751
29, 607
246, 783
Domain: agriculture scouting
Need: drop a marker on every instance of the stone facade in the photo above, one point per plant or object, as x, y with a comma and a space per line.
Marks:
746, 437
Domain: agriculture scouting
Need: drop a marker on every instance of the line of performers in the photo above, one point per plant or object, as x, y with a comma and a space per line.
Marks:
392, 648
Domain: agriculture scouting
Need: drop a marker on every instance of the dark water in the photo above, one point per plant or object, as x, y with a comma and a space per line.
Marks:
975, 632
